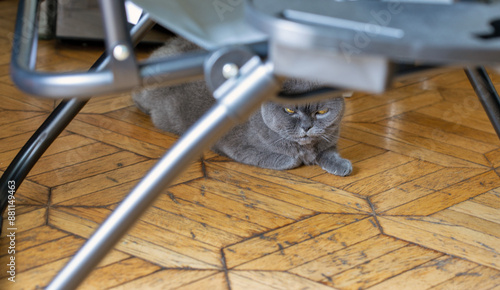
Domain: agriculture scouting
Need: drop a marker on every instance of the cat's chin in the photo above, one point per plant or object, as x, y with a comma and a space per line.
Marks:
304, 140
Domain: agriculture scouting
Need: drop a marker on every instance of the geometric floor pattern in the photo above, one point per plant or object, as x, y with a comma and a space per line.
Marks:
421, 209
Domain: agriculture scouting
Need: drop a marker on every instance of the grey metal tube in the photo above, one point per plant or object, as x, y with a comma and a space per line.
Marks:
234, 106
84, 84
23, 56
487, 94
123, 63
27, 157
25, 36
173, 70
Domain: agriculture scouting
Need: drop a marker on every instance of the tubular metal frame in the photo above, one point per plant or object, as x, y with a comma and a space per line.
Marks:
246, 95
110, 79
52, 127
237, 99
487, 94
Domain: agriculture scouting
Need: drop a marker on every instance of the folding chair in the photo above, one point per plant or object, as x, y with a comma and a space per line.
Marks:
355, 45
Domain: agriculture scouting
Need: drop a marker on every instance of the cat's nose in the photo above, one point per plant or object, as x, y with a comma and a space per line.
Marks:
306, 128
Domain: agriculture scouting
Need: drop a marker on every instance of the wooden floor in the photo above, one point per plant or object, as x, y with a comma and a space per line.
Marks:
421, 209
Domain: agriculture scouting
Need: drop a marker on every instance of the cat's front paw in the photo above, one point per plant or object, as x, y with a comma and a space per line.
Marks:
280, 162
338, 166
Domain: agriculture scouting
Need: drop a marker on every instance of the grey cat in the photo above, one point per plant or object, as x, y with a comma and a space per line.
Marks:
276, 136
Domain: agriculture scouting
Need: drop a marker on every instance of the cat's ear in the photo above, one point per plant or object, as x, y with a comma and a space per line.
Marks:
336, 104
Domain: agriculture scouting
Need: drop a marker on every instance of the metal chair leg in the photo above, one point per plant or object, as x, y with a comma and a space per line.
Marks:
35, 147
234, 105
486, 93
52, 127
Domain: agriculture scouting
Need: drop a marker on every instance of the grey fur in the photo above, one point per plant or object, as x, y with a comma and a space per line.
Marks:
271, 138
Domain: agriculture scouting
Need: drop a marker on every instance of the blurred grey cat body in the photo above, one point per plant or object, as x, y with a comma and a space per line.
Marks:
276, 136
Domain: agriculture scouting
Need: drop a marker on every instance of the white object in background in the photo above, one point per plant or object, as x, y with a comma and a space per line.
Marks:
134, 12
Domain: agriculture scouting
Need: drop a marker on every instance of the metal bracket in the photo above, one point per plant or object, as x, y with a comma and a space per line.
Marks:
118, 44
225, 63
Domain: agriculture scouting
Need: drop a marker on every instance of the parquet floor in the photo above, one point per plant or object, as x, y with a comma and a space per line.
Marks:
421, 209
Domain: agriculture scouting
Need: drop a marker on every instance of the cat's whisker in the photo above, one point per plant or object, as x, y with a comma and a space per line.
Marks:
278, 140
324, 137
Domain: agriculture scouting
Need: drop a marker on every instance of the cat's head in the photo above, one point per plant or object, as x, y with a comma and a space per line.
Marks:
306, 123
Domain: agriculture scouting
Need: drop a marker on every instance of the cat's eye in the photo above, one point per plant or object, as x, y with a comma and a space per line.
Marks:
322, 112
289, 111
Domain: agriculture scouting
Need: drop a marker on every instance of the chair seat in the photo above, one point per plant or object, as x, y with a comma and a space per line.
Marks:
351, 44
209, 24
463, 32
